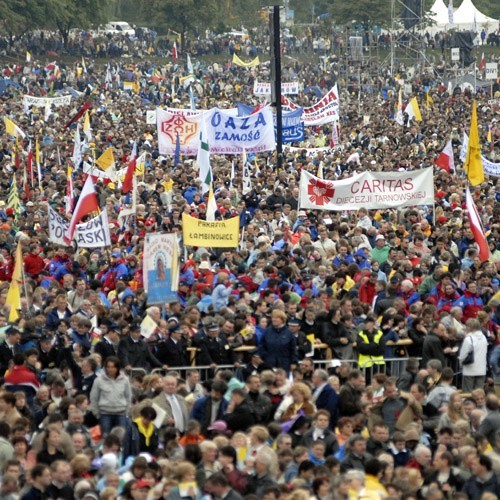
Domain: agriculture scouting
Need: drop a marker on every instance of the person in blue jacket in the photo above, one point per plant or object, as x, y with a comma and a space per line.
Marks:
278, 346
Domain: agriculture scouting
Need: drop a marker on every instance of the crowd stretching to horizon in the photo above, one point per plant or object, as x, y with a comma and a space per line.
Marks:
327, 357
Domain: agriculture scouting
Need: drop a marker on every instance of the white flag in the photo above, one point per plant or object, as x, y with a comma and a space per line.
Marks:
203, 159
247, 181
77, 149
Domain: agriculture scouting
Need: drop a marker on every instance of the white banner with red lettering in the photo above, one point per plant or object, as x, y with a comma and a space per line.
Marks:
324, 111
368, 190
182, 123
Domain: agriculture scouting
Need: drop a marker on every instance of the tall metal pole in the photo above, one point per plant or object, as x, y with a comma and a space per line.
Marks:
276, 66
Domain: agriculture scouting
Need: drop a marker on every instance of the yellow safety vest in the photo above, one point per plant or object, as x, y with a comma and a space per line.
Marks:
365, 361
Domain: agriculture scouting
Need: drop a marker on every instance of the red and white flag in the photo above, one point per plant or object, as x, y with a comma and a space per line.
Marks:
29, 163
334, 139
482, 64
477, 227
87, 204
174, 52
445, 160
128, 184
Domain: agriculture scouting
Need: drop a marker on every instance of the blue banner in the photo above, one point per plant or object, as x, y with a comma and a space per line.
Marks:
293, 126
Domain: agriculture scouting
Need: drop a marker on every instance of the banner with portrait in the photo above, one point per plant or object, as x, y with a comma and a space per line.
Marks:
161, 267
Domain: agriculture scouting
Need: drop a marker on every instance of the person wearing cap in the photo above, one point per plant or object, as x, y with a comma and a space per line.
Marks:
371, 346
172, 351
213, 347
134, 352
380, 252
304, 346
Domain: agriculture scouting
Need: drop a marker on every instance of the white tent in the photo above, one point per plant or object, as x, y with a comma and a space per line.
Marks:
463, 18
465, 15
439, 13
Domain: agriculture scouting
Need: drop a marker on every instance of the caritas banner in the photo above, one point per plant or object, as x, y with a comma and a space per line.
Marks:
185, 124
324, 111
229, 134
369, 190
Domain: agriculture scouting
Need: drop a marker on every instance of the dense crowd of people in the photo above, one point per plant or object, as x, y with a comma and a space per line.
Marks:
327, 357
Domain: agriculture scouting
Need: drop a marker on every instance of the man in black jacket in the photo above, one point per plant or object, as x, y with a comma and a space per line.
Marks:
108, 345
134, 352
434, 345
9, 348
350, 394
259, 404
213, 346
239, 416
172, 352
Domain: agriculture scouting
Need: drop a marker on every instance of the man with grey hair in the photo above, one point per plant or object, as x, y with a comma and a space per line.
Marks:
421, 460
263, 477
356, 479
453, 321
473, 356
324, 396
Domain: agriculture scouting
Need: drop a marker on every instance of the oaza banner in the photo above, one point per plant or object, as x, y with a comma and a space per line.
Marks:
229, 134
370, 190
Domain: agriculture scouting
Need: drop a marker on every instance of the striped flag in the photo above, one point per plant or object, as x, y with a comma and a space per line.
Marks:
203, 160
13, 199
477, 227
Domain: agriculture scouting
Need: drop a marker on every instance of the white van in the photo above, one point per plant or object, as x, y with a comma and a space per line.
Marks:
118, 28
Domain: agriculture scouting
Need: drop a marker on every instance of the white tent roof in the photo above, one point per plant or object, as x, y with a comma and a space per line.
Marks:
439, 13
464, 17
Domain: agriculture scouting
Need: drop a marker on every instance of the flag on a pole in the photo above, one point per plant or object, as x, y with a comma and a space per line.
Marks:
320, 170
477, 227
429, 101
191, 98
77, 149
482, 64
413, 110
14, 293
79, 114
445, 160
177, 153
399, 111
211, 204
203, 159
87, 204
12, 129
473, 163
450, 13
13, 198
37, 161
174, 52
106, 160
70, 193
84, 66
129, 175
488, 136
232, 174
334, 139
86, 126
28, 56
29, 163
247, 181
190, 68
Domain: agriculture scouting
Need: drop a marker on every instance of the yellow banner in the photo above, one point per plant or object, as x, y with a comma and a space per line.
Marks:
251, 64
219, 234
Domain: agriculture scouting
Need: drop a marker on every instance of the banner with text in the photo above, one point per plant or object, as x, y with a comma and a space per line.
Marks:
293, 126
287, 88
229, 134
91, 234
324, 111
216, 234
185, 124
161, 267
368, 190
42, 102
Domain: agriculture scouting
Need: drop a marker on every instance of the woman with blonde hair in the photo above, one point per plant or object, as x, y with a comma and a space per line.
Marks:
454, 412
301, 402
185, 475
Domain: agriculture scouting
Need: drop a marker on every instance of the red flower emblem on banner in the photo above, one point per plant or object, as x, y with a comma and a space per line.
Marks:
320, 192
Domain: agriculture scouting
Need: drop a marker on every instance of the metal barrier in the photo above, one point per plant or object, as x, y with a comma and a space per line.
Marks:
392, 366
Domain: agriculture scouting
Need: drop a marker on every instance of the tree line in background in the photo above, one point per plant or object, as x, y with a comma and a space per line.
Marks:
191, 16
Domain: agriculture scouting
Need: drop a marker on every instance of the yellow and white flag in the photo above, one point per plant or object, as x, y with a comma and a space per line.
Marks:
12, 129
